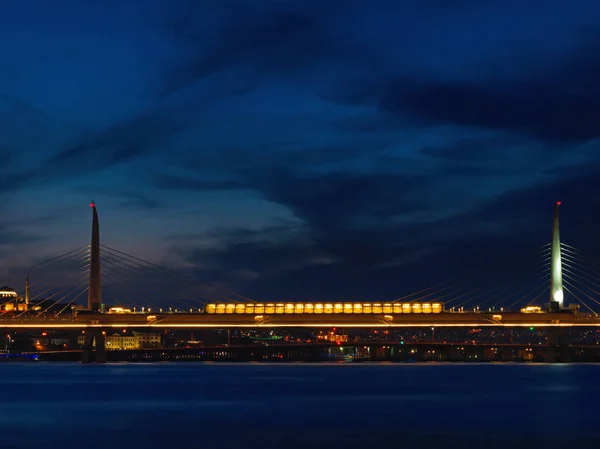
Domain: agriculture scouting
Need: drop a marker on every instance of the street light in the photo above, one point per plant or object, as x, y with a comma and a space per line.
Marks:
433, 334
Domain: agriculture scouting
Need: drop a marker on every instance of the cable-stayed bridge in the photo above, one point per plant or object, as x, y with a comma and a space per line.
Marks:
121, 292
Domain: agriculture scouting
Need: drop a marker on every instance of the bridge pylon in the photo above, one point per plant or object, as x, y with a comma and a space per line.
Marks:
94, 297
94, 288
557, 299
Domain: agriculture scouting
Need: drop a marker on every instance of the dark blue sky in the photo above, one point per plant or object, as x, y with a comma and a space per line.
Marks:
294, 149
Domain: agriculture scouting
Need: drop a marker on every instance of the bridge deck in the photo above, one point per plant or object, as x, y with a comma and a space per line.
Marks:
200, 320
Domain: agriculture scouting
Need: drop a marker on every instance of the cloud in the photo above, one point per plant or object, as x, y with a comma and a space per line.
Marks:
181, 183
381, 207
119, 143
10, 236
493, 248
6, 157
132, 200
384, 234
21, 124
556, 104
263, 251
266, 40
473, 149
399, 151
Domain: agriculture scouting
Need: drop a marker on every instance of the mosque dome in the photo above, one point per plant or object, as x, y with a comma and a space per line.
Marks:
6, 292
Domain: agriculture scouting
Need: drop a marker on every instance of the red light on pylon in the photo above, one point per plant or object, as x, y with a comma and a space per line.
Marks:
92, 205
558, 203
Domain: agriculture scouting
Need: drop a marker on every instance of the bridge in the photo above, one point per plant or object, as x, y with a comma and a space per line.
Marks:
446, 305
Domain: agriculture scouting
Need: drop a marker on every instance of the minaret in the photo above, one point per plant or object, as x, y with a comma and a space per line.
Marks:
556, 285
94, 294
27, 290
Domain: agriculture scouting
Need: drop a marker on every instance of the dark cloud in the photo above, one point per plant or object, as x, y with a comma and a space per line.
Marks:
492, 249
180, 183
255, 254
337, 200
480, 157
444, 6
6, 157
487, 149
12, 236
243, 162
294, 39
560, 103
17, 118
131, 200
119, 143
348, 269
139, 202
406, 152
316, 156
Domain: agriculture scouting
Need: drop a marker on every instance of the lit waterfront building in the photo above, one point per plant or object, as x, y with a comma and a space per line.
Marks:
148, 339
44, 342
10, 300
134, 340
332, 337
117, 341
8, 294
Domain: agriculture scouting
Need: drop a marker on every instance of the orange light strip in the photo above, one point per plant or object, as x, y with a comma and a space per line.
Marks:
274, 325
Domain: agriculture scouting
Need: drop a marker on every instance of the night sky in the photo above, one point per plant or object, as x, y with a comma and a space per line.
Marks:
294, 149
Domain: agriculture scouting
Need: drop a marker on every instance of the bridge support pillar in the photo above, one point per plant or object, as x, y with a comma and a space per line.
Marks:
98, 336
558, 349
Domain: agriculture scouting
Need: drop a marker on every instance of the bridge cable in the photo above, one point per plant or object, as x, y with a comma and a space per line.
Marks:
527, 295
66, 295
594, 281
194, 279
589, 277
571, 282
46, 264
116, 273
107, 291
72, 301
132, 268
51, 296
437, 292
582, 258
119, 272
582, 266
38, 283
544, 290
515, 292
579, 299
145, 266
39, 289
110, 275
402, 298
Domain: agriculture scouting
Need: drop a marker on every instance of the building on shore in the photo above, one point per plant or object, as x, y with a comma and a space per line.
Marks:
332, 337
10, 301
128, 340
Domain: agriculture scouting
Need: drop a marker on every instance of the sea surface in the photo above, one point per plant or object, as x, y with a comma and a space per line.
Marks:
216, 405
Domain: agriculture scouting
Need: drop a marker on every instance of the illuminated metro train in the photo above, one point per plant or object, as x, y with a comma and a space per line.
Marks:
325, 308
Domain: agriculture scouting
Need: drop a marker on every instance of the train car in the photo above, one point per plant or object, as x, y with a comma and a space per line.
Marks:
324, 308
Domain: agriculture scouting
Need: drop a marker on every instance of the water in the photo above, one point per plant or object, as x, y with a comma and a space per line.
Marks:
298, 406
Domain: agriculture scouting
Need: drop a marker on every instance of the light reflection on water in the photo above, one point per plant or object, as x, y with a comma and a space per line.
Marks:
298, 406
